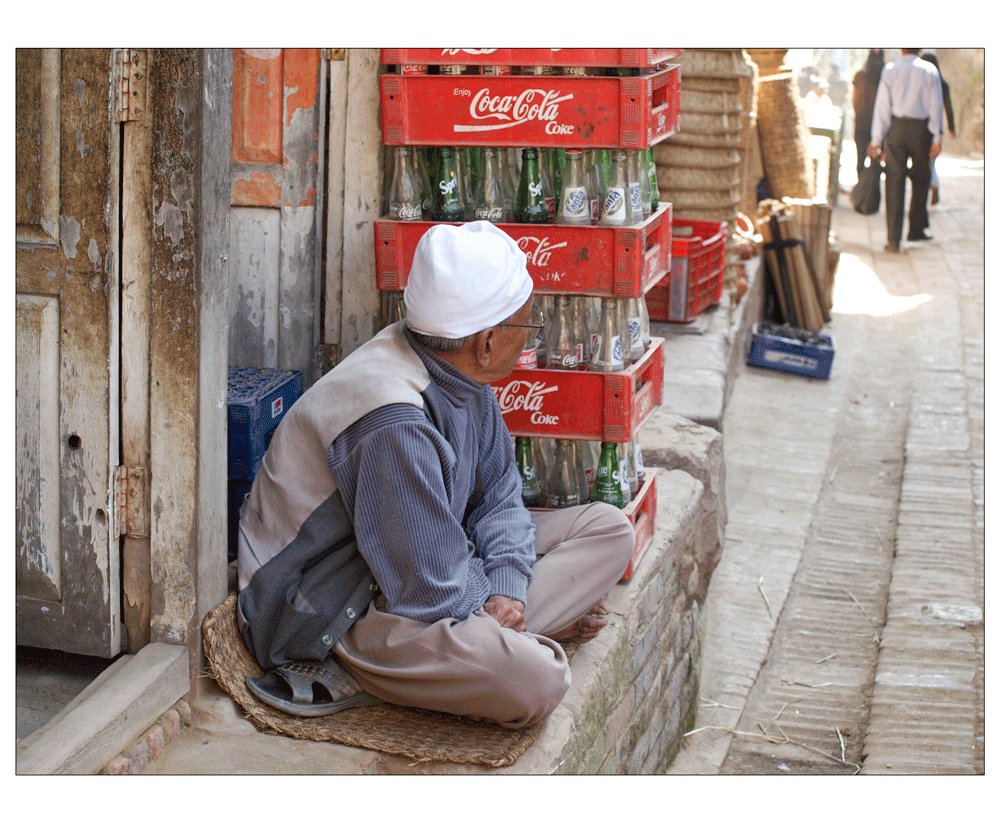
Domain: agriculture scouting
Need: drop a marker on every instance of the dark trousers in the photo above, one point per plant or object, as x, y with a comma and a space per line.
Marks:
906, 140
862, 137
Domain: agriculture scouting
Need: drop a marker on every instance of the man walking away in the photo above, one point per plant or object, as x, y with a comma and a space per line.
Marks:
907, 127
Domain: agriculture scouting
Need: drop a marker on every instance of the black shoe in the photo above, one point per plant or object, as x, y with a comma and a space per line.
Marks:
920, 236
892, 248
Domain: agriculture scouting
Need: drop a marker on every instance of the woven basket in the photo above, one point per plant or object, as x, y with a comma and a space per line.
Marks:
768, 61
698, 123
725, 213
707, 141
694, 101
667, 154
686, 178
720, 200
711, 63
784, 137
728, 85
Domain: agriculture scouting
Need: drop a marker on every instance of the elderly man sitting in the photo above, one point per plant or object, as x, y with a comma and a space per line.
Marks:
384, 549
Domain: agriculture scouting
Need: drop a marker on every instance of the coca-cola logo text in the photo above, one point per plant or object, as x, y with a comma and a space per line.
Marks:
514, 110
538, 250
528, 395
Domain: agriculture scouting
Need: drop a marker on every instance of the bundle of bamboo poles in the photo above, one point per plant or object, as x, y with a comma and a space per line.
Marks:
813, 217
800, 296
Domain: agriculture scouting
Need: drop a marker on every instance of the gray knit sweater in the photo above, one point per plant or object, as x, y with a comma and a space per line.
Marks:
438, 543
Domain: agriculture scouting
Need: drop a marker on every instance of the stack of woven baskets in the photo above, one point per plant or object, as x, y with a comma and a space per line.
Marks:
703, 168
781, 124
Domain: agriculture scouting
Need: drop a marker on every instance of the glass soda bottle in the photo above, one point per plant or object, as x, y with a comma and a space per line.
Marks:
574, 202
531, 488
531, 206
623, 472
580, 312
634, 184
640, 468
550, 188
607, 486
528, 359
609, 352
448, 204
616, 209
489, 202
654, 187
508, 180
595, 184
580, 461
560, 343
634, 328
563, 485
405, 195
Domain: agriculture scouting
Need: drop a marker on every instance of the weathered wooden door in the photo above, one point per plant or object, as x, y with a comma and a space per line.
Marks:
276, 206
66, 406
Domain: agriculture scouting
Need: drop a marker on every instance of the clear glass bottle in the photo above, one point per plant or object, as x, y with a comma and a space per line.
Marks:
508, 180
644, 322
634, 178
616, 209
563, 485
609, 351
391, 307
574, 201
489, 202
405, 195
634, 328
580, 312
560, 343
640, 468
595, 183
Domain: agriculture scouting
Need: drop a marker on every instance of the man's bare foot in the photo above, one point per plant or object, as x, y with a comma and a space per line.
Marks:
588, 626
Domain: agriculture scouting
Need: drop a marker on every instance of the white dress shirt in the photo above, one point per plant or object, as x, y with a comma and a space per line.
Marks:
910, 87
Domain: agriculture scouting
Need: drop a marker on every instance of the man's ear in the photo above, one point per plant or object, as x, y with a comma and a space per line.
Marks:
484, 347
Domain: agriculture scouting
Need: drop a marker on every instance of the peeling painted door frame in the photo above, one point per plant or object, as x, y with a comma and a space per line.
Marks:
68, 588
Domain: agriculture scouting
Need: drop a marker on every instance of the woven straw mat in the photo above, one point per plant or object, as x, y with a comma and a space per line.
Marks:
419, 734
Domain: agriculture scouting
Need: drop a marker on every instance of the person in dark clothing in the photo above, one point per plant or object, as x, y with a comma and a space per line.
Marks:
949, 115
865, 87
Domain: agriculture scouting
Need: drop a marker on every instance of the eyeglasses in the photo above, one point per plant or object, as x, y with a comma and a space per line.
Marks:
537, 315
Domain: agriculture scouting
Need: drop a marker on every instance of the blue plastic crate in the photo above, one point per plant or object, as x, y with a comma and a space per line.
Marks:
258, 400
773, 351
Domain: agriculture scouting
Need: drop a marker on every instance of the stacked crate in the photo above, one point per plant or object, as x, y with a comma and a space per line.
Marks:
258, 400
597, 110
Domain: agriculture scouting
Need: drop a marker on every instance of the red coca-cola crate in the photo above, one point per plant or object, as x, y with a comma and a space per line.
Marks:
641, 512
624, 58
598, 260
583, 405
549, 111
695, 280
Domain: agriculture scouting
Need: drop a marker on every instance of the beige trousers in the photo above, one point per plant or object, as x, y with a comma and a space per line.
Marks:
474, 666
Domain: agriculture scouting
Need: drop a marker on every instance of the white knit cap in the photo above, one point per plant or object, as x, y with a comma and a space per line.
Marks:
464, 279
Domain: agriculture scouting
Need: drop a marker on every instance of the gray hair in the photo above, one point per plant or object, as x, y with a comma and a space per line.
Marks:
448, 343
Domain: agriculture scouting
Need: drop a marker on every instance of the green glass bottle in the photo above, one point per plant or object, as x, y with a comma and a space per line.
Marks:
448, 203
531, 487
531, 206
654, 188
607, 483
